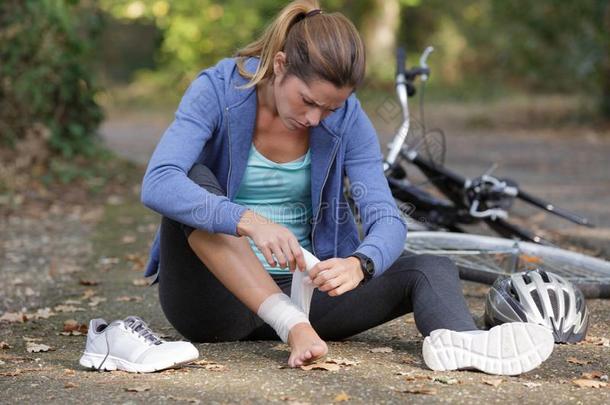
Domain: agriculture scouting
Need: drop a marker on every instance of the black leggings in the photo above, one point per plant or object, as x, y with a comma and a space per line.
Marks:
202, 309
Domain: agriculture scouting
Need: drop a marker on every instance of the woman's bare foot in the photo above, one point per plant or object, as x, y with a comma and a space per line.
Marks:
306, 345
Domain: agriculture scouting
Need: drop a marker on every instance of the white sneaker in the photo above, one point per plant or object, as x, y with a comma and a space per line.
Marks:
130, 345
507, 349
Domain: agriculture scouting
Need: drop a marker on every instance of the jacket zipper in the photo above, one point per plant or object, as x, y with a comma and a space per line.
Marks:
313, 244
230, 149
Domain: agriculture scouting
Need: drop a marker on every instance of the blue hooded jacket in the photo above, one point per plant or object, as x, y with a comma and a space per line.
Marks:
214, 125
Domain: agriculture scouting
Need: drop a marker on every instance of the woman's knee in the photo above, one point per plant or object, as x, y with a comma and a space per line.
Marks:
204, 177
433, 267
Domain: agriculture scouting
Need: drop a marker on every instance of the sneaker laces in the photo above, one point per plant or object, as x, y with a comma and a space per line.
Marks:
137, 325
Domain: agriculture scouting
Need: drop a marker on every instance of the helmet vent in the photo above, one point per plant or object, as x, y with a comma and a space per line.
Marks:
537, 301
545, 277
566, 298
527, 278
554, 304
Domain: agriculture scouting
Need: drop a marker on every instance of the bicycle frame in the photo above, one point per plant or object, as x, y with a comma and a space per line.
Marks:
459, 209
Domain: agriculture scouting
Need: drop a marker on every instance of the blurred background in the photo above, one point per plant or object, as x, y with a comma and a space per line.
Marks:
82, 81
72, 69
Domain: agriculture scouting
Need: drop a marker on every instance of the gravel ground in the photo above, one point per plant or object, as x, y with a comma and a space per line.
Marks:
86, 258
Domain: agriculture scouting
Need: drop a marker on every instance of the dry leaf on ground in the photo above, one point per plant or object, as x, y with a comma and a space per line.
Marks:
88, 293
420, 391
583, 383
70, 384
342, 396
207, 365
596, 340
321, 366
72, 327
139, 388
342, 361
32, 347
575, 360
126, 298
96, 300
13, 317
494, 382
88, 282
593, 375
139, 282
67, 308
446, 380
41, 313
4, 345
531, 384
381, 350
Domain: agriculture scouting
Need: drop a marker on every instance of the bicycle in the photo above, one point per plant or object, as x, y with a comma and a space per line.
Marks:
467, 201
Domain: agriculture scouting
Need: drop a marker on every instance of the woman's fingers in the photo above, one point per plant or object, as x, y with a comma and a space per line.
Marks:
279, 255
268, 255
289, 256
297, 253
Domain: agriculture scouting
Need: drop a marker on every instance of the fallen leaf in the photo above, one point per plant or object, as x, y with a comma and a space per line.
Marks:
32, 347
583, 383
126, 298
140, 388
14, 317
207, 365
107, 261
413, 377
71, 325
67, 308
381, 350
72, 302
68, 371
4, 345
531, 384
182, 399
70, 384
420, 390
494, 382
574, 360
598, 341
341, 397
88, 282
41, 313
341, 361
593, 375
446, 380
88, 293
139, 282
321, 366
96, 300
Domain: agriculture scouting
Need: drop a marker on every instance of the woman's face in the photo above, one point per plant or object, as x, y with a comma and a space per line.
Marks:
300, 105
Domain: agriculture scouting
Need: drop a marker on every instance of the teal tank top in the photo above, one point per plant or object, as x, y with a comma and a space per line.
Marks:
280, 192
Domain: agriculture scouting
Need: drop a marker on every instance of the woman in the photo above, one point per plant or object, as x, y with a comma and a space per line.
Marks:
259, 148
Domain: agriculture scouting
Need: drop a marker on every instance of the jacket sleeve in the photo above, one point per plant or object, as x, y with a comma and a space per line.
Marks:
166, 187
384, 227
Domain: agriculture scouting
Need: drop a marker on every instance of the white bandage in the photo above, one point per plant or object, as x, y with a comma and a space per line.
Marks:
279, 312
302, 288
282, 312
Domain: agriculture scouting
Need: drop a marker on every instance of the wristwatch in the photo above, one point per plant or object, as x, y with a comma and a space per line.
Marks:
366, 265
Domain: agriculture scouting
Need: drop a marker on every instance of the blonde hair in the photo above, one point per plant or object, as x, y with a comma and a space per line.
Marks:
317, 47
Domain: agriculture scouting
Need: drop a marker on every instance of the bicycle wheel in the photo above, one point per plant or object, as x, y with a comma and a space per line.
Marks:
484, 258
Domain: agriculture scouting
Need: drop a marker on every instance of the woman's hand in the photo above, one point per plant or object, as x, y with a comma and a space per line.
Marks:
337, 275
272, 239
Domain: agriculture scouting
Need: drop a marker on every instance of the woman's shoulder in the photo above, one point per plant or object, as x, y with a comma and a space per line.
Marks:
225, 77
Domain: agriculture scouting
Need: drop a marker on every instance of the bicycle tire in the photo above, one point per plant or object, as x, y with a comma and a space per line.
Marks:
484, 258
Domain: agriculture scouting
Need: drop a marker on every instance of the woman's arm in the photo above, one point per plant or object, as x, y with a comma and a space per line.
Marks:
384, 228
166, 188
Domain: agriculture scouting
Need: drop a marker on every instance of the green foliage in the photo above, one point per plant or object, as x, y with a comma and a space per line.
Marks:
198, 33
44, 76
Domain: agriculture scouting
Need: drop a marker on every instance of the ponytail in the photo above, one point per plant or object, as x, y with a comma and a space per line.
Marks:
320, 46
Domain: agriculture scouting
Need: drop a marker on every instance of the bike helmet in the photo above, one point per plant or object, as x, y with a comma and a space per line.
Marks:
539, 297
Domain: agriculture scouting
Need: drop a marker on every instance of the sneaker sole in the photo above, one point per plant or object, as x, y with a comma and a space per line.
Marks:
507, 349
93, 361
